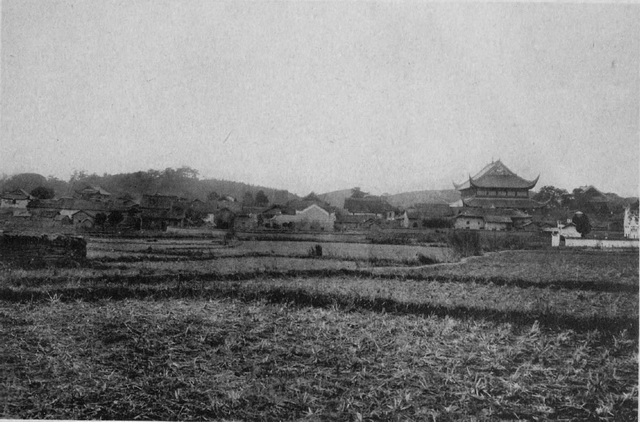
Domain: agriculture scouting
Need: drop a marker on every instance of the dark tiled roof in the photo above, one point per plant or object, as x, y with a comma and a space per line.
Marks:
160, 214
17, 194
370, 205
93, 190
476, 202
158, 201
497, 219
353, 219
497, 175
430, 211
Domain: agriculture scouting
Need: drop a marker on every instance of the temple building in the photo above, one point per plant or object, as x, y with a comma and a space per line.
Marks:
495, 186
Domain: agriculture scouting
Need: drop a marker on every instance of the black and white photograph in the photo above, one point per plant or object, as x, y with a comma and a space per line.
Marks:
279, 210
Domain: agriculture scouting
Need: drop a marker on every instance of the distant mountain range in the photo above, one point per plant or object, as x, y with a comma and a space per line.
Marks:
184, 182
178, 182
400, 200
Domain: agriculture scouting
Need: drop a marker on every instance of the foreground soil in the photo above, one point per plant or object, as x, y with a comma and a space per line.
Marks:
213, 359
537, 335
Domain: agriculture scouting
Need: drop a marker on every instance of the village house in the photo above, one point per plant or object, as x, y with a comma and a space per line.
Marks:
303, 215
402, 220
347, 222
469, 220
158, 212
419, 215
372, 206
93, 193
246, 221
631, 221
491, 219
17, 198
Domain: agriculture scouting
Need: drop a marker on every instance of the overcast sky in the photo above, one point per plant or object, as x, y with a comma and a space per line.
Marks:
317, 96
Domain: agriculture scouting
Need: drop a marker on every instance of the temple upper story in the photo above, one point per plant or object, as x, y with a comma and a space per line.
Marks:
495, 186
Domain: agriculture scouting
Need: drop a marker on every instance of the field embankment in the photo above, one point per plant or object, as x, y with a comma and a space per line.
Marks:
256, 333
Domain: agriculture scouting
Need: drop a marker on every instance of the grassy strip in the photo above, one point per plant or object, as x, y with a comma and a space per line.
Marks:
181, 257
549, 266
97, 272
188, 360
579, 311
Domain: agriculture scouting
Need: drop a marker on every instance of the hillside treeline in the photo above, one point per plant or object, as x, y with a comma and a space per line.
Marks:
184, 182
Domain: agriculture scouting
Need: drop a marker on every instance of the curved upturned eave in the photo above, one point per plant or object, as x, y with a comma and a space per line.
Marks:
462, 186
534, 182
529, 183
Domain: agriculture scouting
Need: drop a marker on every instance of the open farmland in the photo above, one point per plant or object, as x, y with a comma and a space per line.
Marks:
194, 330
178, 248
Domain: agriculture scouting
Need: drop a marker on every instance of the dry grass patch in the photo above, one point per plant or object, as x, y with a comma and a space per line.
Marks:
226, 359
546, 266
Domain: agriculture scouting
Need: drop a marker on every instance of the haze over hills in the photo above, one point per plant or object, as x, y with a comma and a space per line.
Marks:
401, 200
183, 182
406, 199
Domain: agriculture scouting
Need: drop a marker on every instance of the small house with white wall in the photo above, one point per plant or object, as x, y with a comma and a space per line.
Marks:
631, 221
313, 217
17, 198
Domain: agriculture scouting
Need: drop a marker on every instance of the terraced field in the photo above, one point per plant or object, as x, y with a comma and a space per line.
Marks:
178, 330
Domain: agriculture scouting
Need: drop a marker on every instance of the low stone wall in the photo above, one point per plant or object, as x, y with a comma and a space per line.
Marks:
601, 243
194, 232
39, 250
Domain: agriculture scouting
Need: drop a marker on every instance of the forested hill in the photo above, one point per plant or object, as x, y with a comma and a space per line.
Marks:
183, 182
406, 199
401, 200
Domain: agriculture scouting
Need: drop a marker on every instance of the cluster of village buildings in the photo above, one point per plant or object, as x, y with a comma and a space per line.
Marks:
494, 199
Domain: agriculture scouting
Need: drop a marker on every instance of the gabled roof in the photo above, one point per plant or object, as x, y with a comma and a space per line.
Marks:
430, 210
496, 175
93, 190
158, 201
17, 194
498, 219
367, 205
311, 207
81, 204
163, 214
301, 205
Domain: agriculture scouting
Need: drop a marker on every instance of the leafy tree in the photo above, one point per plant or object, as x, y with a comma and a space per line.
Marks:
583, 225
261, 198
554, 195
42, 192
186, 172
311, 197
224, 219
195, 217
26, 181
357, 193
78, 176
247, 199
115, 217
100, 219
213, 196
